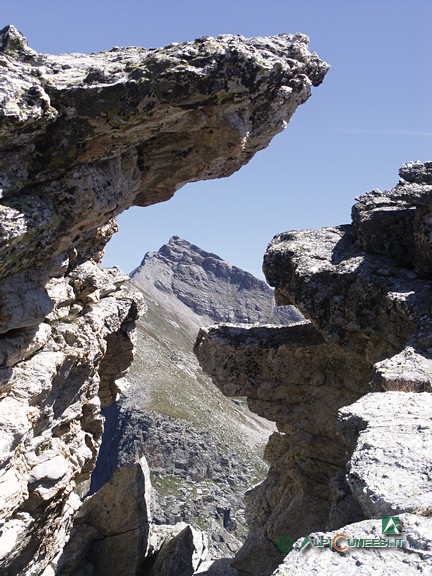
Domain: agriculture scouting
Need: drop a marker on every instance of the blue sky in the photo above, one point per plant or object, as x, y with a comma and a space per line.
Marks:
372, 113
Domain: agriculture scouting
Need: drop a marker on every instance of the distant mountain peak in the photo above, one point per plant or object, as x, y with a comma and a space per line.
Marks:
208, 285
178, 248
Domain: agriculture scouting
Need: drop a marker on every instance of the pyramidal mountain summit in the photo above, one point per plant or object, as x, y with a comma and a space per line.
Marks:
212, 289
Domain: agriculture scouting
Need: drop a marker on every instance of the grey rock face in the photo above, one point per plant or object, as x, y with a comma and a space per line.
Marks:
293, 377
111, 532
397, 223
388, 472
368, 298
87, 136
83, 137
114, 534
182, 554
197, 476
412, 559
51, 425
209, 286
329, 278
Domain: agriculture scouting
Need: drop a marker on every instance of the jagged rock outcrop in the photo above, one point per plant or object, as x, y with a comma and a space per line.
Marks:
368, 299
87, 136
333, 272
114, 534
83, 137
181, 554
388, 474
112, 529
51, 425
293, 377
391, 437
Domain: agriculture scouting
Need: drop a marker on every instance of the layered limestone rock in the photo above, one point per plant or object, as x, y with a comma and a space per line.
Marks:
87, 136
293, 377
360, 284
365, 289
83, 137
391, 438
112, 529
368, 554
389, 475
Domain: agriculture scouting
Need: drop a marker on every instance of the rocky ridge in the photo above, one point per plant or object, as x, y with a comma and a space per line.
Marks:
348, 388
211, 288
83, 137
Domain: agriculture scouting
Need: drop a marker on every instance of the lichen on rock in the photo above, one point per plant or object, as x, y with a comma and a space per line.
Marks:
105, 126
82, 138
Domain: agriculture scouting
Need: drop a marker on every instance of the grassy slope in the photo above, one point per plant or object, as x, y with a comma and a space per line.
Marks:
166, 378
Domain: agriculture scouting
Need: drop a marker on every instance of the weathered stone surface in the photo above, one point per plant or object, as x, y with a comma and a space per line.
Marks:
398, 223
389, 470
111, 531
220, 567
408, 371
329, 276
369, 298
329, 279
87, 136
23, 343
292, 376
83, 137
181, 554
413, 559
50, 421
24, 300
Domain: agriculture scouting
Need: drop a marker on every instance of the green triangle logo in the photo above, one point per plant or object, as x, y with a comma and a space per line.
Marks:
306, 542
391, 525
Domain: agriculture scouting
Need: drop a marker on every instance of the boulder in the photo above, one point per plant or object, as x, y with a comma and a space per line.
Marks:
111, 531
181, 554
388, 472
409, 552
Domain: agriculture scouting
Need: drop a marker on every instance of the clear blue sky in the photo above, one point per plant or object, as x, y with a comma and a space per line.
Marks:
372, 113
